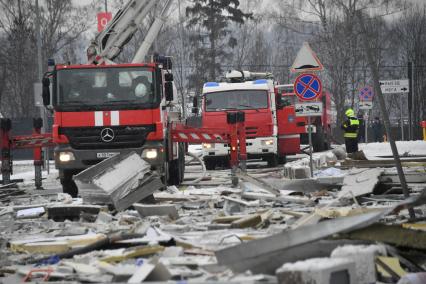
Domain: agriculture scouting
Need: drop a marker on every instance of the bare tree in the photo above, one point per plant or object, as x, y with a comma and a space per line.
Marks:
61, 23
410, 33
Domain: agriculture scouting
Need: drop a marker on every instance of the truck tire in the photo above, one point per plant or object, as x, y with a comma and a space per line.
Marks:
174, 173
282, 160
182, 151
210, 165
272, 161
68, 185
318, 140
176, 168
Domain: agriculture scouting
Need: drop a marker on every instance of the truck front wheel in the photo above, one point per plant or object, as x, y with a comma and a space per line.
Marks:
272, 161
177, 167
68, 185
210, 164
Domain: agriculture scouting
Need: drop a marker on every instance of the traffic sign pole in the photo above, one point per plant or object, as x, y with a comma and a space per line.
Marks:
366, 126
402, 118
410, 101
311, 165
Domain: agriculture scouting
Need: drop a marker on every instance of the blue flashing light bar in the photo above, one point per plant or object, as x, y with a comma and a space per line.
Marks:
260, 81
211, 84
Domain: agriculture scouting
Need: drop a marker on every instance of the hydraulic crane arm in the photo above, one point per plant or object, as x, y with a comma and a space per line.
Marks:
153, 32
109, 43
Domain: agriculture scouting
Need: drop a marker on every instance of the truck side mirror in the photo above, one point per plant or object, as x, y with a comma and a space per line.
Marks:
46, 91
195, 105
168, 90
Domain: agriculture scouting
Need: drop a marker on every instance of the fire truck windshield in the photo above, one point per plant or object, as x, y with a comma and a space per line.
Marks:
106, 87
236, 99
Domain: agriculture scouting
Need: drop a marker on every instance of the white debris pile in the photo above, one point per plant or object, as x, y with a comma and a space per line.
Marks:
349, 223
405, 149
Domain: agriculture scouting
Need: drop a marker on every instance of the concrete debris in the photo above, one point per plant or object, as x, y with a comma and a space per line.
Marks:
278, 225
360, 182
391, 234
389, 267
121, 180
319, 271
364, 259
413, 278
145, 210
257, 254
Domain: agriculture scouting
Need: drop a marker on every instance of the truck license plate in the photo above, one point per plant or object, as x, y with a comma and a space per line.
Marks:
106, 154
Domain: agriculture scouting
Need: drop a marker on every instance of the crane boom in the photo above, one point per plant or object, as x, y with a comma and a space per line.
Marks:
109, 43
154, 30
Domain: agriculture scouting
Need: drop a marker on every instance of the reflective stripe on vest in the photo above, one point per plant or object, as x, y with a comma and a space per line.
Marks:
352, 134
354, 121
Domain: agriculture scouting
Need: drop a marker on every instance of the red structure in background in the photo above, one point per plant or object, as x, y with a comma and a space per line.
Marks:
103, 20
35, 141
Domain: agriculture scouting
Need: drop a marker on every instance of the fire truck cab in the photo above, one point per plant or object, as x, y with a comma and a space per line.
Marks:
252, 93
102, 109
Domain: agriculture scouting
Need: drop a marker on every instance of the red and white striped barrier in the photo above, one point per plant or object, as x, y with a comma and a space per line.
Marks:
32, 141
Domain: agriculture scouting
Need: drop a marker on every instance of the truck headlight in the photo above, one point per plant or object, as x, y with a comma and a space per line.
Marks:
150, 153
66, 156
208, 145
267, 142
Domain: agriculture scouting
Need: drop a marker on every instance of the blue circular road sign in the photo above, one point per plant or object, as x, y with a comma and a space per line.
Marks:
366, 94
307, 87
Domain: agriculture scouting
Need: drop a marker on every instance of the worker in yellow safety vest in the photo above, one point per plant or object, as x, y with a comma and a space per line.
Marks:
351, 126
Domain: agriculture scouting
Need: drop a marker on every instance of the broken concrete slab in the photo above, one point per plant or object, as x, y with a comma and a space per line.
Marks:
145, 210
82, 267
254, 254
141, 273
390, 234
258, 182
58, 244
30, 213
410, 177
72, 211
257, 255
336, 212
255, 192
358, 182
319, 271
364, 259
301, 185
121, 180
389, 267
248, 221
104, 217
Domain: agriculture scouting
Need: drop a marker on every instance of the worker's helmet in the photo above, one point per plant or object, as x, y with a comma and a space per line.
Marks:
140, 90
350, 112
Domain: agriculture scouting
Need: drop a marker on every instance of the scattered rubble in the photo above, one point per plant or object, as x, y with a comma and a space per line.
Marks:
344, 225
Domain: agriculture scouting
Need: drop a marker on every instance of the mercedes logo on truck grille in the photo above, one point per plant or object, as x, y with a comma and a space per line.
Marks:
107, 135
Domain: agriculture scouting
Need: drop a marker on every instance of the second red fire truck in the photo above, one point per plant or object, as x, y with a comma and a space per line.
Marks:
272, 129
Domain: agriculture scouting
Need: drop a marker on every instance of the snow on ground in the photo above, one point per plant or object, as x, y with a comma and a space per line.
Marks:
24, 169
405, 148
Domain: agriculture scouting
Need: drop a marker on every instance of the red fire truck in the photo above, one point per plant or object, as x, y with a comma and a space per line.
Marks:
272, 129
321, 124
270, 125
102, 109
